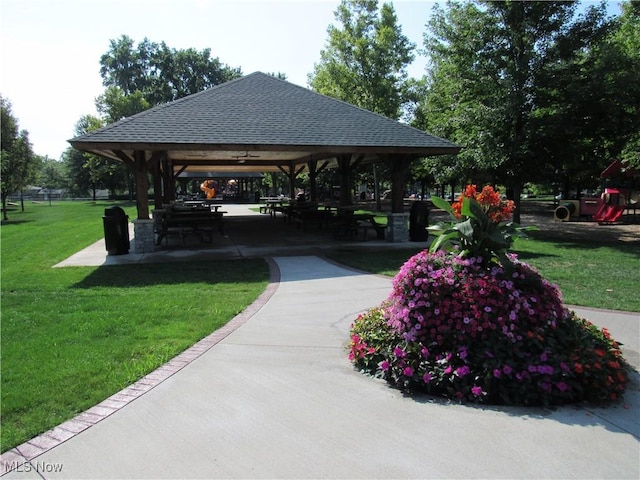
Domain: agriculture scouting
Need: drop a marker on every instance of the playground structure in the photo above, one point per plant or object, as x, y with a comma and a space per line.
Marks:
620, 194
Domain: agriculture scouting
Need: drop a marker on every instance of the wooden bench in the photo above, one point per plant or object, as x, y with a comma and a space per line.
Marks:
182, 223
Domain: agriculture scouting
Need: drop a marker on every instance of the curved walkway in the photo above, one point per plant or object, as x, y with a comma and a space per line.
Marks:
272, 395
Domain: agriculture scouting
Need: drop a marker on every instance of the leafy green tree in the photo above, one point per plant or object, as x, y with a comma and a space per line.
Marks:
18, 164
52, 174
587, 108
78, 177
627, 38
114, 104
365, 62
103, 173
365, 59
489, 81
160, 73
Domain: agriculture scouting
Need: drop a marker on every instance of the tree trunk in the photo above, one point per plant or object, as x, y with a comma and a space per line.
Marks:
4, 208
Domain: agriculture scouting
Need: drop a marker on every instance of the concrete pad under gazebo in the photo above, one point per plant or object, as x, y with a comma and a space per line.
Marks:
259, 123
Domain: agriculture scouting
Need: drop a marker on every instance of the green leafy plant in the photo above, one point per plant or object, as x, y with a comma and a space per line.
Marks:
480, 227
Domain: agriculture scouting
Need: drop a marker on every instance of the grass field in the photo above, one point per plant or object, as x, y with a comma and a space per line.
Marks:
74, 336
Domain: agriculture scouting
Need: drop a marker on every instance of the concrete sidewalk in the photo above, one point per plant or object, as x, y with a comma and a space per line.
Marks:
273, 395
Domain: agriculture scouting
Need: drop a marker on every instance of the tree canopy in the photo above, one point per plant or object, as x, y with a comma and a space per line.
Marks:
365, 58
160, 73
527, 88
18, 164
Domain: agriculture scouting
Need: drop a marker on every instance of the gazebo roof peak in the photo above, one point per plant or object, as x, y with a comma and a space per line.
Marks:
259, 117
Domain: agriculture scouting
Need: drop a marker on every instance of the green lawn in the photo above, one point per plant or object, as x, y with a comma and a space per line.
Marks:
599, 276
74, 336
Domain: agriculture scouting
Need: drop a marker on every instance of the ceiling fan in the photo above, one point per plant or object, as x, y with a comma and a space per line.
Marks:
243, 158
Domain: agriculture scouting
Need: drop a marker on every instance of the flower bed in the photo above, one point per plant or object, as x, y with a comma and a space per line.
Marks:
484, 327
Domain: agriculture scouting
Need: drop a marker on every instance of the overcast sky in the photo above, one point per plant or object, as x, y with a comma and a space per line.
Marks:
51, 49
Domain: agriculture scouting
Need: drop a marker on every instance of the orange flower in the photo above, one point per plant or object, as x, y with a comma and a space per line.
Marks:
496, 209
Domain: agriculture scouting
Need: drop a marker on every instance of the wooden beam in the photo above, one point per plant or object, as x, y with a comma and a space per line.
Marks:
124, 157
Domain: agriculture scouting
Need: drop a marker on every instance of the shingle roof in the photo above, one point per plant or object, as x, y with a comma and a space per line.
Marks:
260, 112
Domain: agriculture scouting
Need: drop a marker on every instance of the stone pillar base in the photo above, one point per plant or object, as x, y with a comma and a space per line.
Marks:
397, 227
144, 237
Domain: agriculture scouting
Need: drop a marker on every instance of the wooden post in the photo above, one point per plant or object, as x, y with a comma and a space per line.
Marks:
399, 165
312, 165
142, 185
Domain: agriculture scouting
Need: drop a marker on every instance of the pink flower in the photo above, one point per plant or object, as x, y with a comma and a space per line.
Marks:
398, 352
408, 372
477, 391
426, 378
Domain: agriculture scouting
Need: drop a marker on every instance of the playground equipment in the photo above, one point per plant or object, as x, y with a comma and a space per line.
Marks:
612, 207
617, 197
575, 209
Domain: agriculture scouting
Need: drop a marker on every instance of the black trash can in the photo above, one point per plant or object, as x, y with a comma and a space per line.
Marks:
116, 231
418, 222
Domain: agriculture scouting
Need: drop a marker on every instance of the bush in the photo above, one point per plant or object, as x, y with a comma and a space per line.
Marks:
456, 328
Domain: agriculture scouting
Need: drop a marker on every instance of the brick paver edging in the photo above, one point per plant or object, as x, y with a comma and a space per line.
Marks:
18, 456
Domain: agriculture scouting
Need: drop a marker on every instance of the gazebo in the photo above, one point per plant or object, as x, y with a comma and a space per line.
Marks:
257, 123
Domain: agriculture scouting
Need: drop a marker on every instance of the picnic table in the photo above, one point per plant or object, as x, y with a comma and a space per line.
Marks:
185, 221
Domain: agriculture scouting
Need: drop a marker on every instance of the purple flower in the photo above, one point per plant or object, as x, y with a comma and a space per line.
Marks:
563, 387
426, 378
408, 372
507, 370
398, 352
497, 372
384, 365
477, 391
462, 371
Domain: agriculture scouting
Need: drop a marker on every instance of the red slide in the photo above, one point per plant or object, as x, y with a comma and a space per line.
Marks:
608, 213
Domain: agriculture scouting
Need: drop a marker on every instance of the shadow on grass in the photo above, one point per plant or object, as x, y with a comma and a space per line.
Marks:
10, 222
201, 272
586, 243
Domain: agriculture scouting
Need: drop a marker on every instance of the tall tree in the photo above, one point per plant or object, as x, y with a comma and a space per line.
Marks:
587, 101
365, 59
161, 73
488, 62
365, 63
627, 38
18, 164
52, 175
